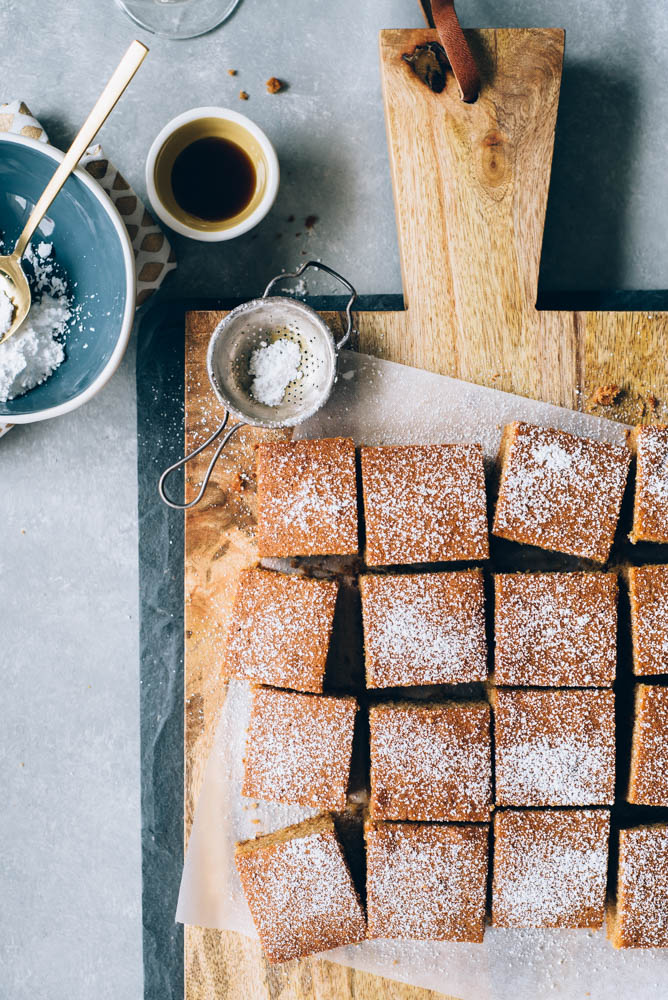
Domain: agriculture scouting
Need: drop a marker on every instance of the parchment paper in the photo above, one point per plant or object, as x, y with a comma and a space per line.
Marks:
377, 402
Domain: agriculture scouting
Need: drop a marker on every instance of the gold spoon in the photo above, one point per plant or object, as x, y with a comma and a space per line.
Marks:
18, 288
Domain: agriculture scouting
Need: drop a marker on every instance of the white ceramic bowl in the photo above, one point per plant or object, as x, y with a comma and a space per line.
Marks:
257, 145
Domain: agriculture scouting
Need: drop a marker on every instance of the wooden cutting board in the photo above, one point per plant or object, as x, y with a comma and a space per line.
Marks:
470, 187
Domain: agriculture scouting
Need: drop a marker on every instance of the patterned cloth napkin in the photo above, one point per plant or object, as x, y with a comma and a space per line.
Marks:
154, 257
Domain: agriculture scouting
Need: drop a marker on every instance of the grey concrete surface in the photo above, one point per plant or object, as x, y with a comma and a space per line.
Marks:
70, 922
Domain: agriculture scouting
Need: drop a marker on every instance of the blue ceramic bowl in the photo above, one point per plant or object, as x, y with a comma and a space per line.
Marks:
92, 245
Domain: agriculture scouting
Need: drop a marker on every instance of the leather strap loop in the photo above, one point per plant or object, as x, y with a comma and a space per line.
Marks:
456, 48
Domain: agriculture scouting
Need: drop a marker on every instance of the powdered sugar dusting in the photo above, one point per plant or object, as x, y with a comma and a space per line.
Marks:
554, 629
430, 762
424, 628
424, 503
426, 881
550, 869
301, 895
273, 367
34, 352
650, 519
642, 891
555, 748
299, 748
649, 753
648, 586
307, 495
560, 492
280, 629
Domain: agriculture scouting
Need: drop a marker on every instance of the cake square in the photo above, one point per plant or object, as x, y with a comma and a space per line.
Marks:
648, 779
424, 628
554, 748
638, 918
648, 594
555, 629
280, 629
424, 503
307, 498
426, 881
299, 890
430, 761
299, 748
550, 867
559, 491
650, 506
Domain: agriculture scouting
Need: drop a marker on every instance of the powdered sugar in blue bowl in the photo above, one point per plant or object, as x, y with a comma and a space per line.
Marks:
84, 241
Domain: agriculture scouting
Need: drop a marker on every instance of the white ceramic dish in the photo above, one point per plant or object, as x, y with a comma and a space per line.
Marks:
251, 138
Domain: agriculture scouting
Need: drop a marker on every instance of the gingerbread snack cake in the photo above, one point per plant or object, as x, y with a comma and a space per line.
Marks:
424, 503
426, 881
307, 498
299, 748
299, 890
648, 594
638, 917
555, 629
650, 507
559, 491
648, 780
280, 629
550, 867
430, 761
554, 748
424, 628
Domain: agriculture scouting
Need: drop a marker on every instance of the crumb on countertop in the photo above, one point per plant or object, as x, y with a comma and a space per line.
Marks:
606, 395
274, 85
243, 96
232, 72
310, 221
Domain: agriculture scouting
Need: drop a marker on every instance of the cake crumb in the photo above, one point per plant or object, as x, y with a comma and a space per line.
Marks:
232, 72
274, 85
606, 395
243, 96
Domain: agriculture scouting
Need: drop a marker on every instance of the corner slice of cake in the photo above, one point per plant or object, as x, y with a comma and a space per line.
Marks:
299, 748
555, 629
648, 780
554, 748
424, 628
431, 761
650, 507
424, 504
648, 594
280, 629
550, 867
307, 498
300, 891
638, 916
426, 881
560, 492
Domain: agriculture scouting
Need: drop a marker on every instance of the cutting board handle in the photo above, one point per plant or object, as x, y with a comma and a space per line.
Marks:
443, 15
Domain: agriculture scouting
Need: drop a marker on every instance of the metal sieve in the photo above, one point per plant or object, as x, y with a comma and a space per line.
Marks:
248, 327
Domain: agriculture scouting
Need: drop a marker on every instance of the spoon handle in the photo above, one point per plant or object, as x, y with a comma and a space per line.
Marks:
104, 105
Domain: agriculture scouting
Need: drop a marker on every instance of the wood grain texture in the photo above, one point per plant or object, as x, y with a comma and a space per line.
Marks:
471, 185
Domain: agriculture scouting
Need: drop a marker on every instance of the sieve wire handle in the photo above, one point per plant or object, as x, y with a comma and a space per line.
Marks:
207, 475
335, 274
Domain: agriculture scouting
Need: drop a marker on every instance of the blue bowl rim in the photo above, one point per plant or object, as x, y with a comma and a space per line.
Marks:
130, 285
